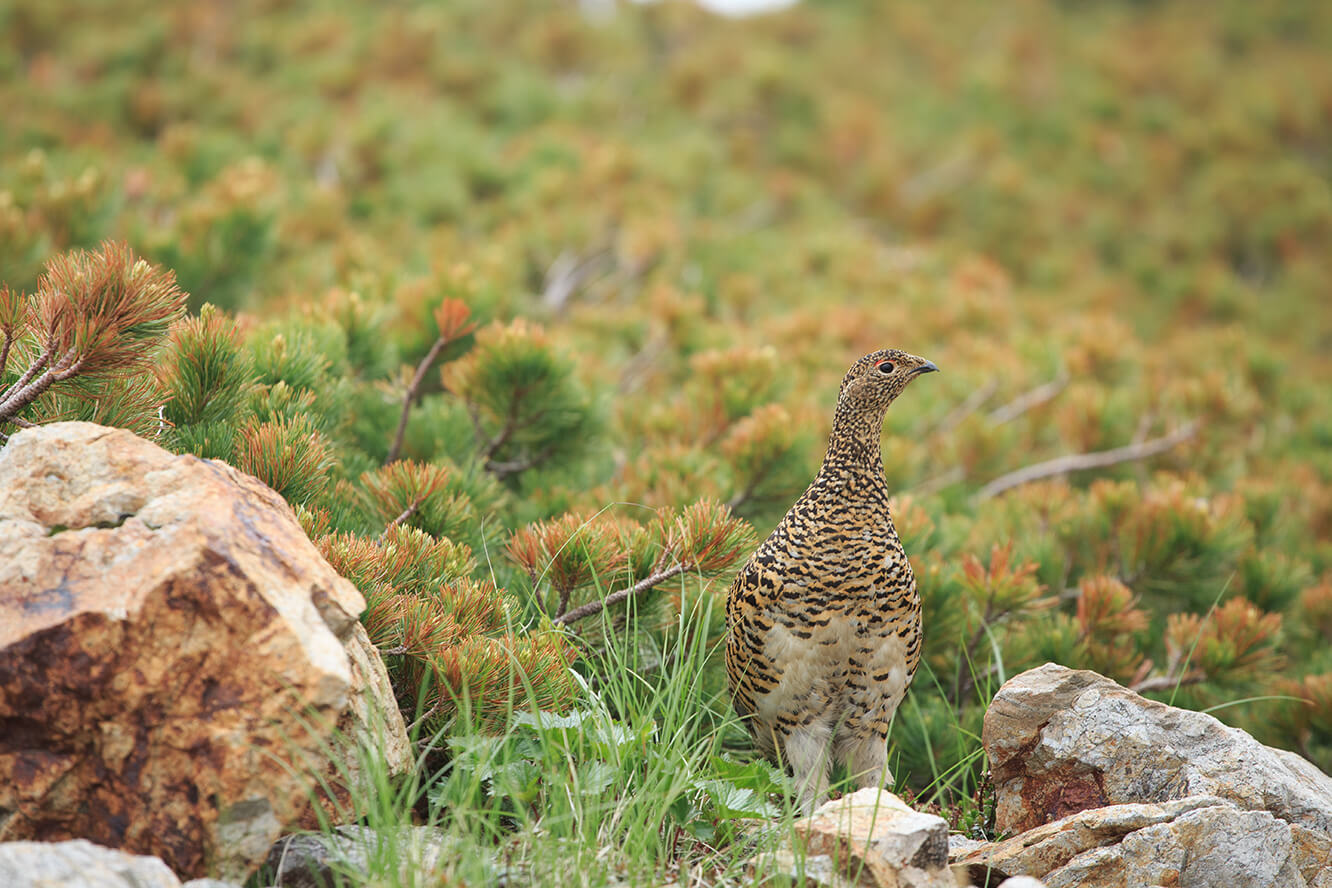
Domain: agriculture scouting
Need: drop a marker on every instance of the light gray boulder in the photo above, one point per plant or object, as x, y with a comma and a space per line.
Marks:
1061, 740
1105, 788
79, 863
868, 838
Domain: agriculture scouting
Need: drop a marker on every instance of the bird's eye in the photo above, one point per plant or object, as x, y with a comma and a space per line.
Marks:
885, 367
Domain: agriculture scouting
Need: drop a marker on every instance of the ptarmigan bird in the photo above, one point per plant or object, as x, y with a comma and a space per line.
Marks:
824, 619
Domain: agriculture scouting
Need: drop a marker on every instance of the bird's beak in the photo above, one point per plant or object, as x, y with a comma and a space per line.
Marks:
927, 367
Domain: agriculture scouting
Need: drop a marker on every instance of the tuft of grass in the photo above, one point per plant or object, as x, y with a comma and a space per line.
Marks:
639, 784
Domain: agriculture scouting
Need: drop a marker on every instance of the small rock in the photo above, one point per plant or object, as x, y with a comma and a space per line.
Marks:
1061, 741
960, 846
870, 838
418, 855
814, 870
1022, 882
79, 864
167, 636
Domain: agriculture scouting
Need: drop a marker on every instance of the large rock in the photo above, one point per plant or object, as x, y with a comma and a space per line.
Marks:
171, 651
1061, 741
81, 864
868, 838
369, 743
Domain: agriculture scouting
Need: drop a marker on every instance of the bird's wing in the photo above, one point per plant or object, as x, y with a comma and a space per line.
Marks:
748, 623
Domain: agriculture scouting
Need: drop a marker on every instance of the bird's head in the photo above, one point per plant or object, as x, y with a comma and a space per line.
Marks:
876, 379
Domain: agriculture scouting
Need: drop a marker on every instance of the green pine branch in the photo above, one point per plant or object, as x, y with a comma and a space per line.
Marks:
95, 316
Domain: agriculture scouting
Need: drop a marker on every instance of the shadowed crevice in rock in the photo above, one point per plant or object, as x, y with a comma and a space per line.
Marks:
96, 525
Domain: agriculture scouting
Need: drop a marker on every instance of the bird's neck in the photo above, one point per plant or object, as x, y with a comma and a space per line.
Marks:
855, 439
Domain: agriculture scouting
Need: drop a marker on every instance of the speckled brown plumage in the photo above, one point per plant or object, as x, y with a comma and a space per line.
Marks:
824, 619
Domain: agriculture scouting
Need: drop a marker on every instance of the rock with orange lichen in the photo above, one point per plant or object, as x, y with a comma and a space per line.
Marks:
172, 651
1061, 741
1107, 788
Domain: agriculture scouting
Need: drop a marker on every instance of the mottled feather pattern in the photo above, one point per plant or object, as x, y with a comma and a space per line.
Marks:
823, 621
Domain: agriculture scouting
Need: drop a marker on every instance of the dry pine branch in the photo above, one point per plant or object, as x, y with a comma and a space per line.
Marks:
1078, 462
614, 598
451, 318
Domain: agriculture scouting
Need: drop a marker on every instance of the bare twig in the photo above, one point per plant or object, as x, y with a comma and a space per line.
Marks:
4, 352
493, 445
451, 321
942, 178
963, 685
412, 388
406, 513
640, 364
968, 684
1078, 462
1167, 682
938, 482
642, 585
1174, 676
439, 704
502, 437
567, 273
742, 496
37, 367
26, 389
502, 470
1139, 435
745, 494
1029, 400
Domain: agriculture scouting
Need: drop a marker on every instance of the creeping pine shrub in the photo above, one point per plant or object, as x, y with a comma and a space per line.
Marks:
269, 401
516, 352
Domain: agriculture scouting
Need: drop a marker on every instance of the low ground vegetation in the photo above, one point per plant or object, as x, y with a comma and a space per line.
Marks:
537, 318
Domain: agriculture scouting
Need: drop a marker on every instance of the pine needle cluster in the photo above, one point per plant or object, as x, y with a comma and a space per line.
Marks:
74, 349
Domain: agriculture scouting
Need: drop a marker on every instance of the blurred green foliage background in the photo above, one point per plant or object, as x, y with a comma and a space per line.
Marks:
1102, 221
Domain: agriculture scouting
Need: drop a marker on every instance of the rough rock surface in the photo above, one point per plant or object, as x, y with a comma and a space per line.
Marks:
1313, 854
419, 853
371, 725
1061, 741
870, 838
81, 864
1219, 845
1046, 848
1198, 841
167, 632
